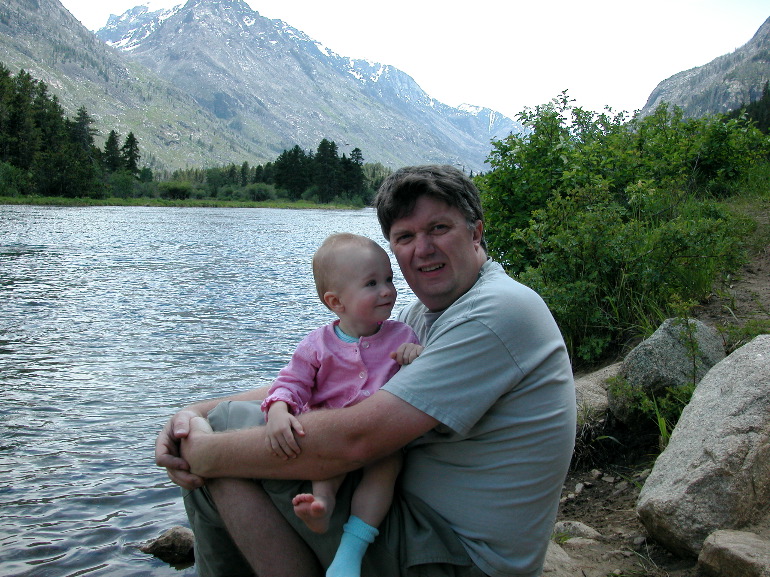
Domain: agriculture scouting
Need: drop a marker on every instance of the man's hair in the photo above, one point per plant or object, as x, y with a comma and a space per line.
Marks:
328, 258
399, 192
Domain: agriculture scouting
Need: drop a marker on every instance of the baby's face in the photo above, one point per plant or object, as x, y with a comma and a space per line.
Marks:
367, 291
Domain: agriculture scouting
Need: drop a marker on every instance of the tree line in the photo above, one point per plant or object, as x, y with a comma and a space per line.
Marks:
322, 176
44, 152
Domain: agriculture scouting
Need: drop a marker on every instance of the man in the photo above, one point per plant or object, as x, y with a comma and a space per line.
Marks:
486, 416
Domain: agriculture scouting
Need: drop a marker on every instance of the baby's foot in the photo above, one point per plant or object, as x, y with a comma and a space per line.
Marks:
315, 511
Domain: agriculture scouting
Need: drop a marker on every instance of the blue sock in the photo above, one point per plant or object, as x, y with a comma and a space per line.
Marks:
356, 536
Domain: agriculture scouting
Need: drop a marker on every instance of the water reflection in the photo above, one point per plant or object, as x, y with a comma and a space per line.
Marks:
111, 318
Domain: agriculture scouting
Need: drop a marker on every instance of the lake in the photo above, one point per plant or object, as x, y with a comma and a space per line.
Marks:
111, 319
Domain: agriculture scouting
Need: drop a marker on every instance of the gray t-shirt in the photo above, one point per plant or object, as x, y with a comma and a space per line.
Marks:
496, 374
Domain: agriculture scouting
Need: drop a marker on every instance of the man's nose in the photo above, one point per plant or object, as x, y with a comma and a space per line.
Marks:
424, 244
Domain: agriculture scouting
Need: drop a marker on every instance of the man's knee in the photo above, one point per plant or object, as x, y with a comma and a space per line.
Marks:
216, 553
231, 415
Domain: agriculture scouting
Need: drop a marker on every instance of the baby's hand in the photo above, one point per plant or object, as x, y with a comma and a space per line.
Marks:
280, 440
407, 353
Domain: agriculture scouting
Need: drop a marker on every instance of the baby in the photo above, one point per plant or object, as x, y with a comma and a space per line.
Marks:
339, 365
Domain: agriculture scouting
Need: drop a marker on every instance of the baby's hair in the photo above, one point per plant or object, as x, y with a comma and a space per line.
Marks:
328, 258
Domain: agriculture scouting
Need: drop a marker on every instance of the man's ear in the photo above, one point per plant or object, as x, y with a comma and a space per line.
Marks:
478, 232
332, 301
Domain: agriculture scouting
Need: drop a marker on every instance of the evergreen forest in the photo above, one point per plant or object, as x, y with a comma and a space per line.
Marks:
44, 153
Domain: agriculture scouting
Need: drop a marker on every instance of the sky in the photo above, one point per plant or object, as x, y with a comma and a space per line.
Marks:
509, 55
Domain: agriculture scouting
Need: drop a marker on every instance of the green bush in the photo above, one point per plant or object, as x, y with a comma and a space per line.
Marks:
13, 181
613, 221
175, 190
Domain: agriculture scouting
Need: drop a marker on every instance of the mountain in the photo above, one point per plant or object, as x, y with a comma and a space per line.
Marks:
43, 38
724, 84
276, 87
213, 82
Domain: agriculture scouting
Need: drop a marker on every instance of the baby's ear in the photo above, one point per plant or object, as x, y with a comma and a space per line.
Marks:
332, 301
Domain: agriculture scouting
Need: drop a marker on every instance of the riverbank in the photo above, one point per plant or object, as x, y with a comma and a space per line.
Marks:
603, 494
167, 203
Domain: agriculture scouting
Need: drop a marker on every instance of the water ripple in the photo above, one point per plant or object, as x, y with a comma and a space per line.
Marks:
111, 319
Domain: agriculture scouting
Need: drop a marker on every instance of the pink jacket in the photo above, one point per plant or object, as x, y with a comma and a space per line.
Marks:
326, 372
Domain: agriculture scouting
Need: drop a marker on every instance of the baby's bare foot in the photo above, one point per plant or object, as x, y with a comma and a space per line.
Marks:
315, 511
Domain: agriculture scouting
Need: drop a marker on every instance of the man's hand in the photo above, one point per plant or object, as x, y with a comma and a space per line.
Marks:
168, 453
407, 353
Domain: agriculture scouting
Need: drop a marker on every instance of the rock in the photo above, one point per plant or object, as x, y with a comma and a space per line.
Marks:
558, 562
576, 529
175, 546
715, 472
735, 554
665, 360
591, 391
579, 543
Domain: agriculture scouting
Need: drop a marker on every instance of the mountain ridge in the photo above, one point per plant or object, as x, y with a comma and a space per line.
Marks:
726, 83
43, 38
212, 82
273, 82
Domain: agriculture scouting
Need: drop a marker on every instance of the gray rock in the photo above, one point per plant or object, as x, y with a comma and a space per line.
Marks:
667, 359
558, 563
591, 391
735, 554
715, 472
576, 529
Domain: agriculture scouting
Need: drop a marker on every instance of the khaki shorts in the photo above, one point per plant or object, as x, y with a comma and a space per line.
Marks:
413, 541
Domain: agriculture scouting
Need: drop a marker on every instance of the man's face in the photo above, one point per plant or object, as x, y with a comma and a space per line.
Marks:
439, 256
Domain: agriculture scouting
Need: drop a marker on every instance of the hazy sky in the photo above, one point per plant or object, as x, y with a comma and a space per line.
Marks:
512, 54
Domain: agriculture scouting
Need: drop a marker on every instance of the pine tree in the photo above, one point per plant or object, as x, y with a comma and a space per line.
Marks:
326, 171
130, 154
292, 172
80, 177
113, 159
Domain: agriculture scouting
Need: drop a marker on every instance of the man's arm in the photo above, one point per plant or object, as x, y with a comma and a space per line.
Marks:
167, 444
336, 441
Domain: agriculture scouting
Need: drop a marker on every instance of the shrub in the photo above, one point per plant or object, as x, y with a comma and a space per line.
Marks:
611, 220
175, 190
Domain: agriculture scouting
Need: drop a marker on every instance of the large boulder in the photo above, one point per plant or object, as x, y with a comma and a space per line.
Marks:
680, 352
715, 472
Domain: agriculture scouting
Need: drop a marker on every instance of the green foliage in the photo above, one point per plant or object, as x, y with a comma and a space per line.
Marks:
324, 175
654, 413
13, 181
612, 220
56, 155
175, 190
